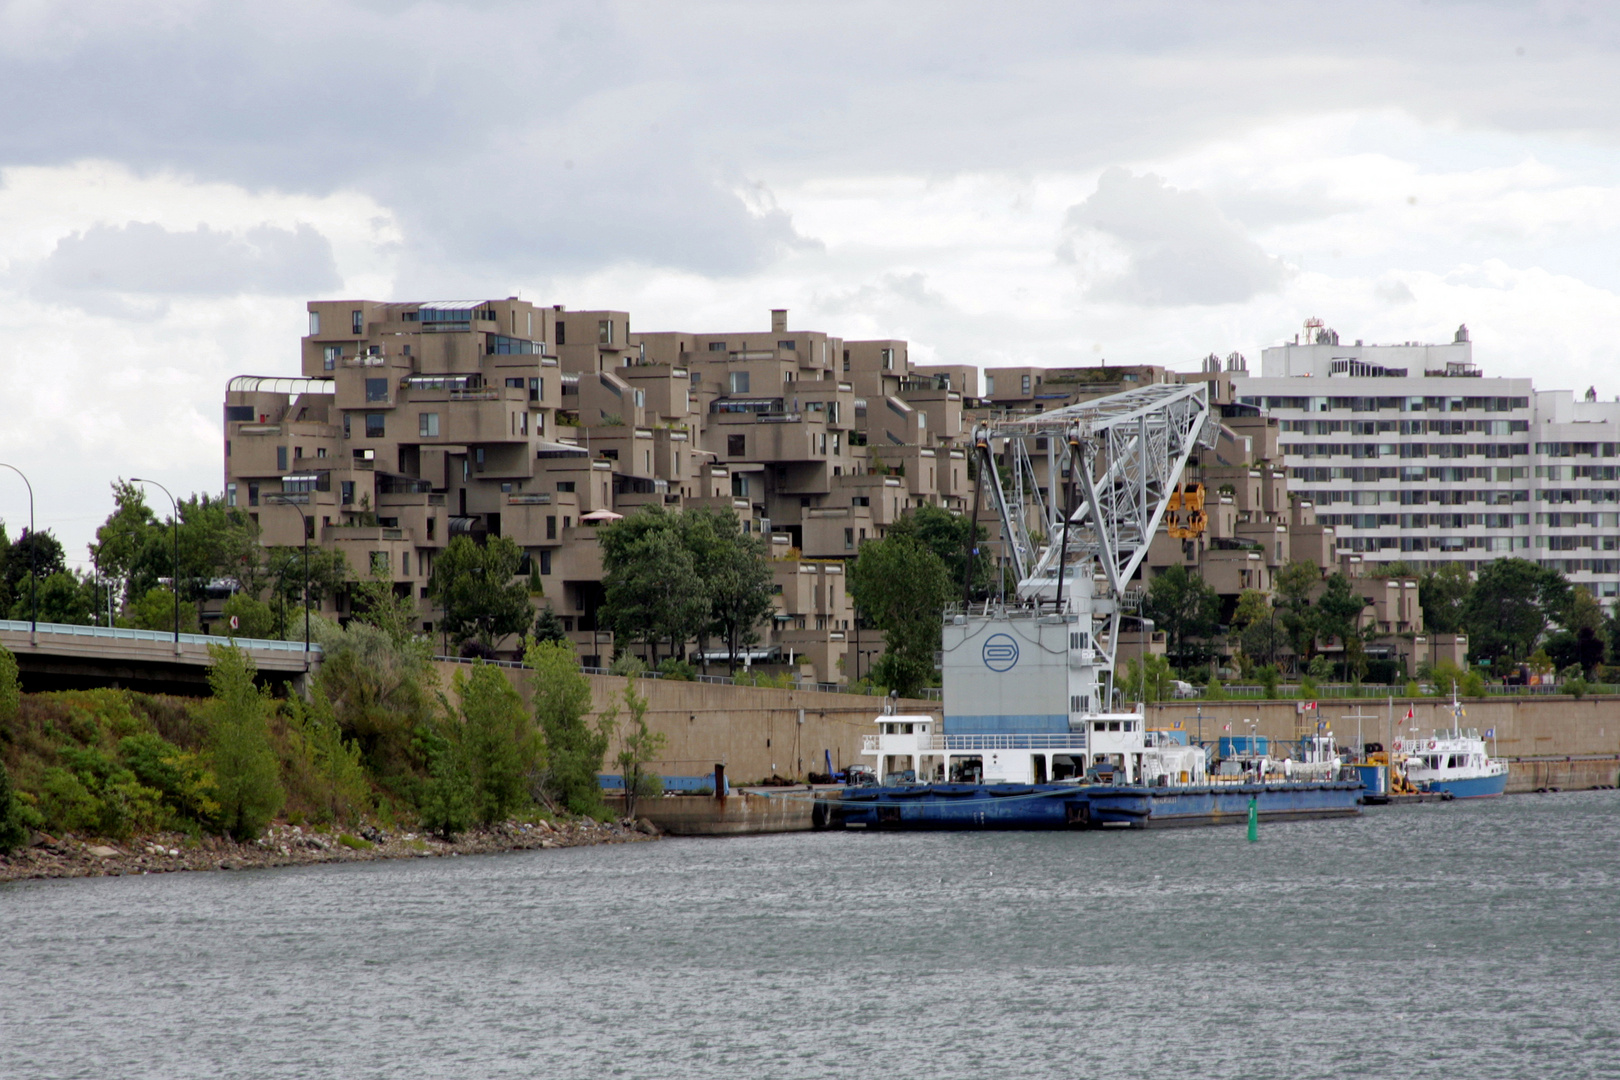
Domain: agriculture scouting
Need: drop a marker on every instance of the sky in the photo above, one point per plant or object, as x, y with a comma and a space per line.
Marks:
1009, 183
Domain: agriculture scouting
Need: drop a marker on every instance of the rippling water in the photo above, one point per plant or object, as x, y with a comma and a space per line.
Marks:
1458, 940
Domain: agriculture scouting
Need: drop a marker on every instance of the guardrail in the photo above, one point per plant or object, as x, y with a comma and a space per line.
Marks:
125, 633
930, 693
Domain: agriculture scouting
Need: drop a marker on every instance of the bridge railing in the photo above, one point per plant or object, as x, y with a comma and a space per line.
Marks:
126, 633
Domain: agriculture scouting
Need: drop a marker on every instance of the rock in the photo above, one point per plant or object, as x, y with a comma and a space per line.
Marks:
644, 826
101, 851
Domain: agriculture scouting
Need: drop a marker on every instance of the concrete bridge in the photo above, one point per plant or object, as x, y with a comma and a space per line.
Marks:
64, 657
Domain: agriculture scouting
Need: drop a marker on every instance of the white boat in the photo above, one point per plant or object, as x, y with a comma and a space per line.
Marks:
1452, 761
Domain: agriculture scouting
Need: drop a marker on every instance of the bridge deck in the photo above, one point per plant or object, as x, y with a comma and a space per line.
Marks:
62, 656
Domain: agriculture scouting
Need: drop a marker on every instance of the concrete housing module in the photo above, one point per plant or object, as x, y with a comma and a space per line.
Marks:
414, 422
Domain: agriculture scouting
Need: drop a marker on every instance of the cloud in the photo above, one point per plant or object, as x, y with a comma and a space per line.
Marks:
146, 259
1179, 247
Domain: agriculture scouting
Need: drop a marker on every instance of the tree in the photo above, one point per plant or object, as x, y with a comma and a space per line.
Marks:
639, 747
377, 603
1146, 679
254, 618
13, 833
736, 572
381, 689
245, 766
902, 586
155, 611
283, 575
501, 744
1510, 606
651, 588
548, 627
29, 563
1339, 615
1253, 605
1295, 583
1443, 596
1184, 606
946, 535
445, 801
477, 587
573, 747
10, 691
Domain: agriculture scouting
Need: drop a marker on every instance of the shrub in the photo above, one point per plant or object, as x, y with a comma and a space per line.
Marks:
13, 829
355, 843
324, 770
446, 799
678, 670
500, 741
181, 777
10, 692
245, 766
67, 803
574, 748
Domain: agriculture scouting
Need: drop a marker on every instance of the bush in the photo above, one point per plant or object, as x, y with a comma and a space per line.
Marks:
446, 799
501, 746
354, 843
678, 670
10, 691
574, 748
245, 766
13, 828
323, 769
254, 619
181, 777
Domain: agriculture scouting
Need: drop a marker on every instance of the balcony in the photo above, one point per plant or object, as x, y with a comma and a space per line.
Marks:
362, 532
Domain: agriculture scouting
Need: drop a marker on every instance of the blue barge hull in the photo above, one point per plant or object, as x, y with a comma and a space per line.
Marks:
1070, 806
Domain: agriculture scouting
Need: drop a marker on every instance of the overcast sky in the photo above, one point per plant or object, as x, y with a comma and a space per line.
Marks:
1046, 183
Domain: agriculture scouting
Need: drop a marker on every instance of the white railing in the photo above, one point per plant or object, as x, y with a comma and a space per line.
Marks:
1068, 740
125, 633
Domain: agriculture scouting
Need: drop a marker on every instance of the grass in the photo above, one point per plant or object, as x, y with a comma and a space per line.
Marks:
355, 843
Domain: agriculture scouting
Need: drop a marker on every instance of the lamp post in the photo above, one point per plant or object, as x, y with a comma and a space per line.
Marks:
33, 560
286, 500
176, 583
1144, 635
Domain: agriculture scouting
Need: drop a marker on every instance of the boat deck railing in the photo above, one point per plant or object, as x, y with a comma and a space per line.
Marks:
940, 742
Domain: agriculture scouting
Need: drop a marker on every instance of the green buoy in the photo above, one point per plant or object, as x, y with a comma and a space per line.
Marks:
1254, 819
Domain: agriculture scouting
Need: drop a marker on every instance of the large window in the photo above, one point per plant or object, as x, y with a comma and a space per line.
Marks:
505, 346
604, 332
374, 425
376, 389
427, 425
739, 382
330, 355
736, 445
314, 323
357, 321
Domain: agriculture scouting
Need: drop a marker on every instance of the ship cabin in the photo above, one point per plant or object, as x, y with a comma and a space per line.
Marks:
1110, 748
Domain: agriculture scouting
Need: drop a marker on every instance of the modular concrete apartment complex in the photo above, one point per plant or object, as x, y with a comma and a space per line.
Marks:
415, 422
1410, 452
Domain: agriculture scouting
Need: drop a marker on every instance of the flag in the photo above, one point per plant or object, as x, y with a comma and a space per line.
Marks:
1310, 705
1228, 727
1490, 733
1409, 715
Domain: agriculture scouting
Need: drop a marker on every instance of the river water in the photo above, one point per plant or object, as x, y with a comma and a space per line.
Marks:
1457, 940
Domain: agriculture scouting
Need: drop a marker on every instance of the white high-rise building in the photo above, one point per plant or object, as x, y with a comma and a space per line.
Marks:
1411, 453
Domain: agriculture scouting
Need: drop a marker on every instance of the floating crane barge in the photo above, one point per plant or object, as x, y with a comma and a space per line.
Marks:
1034, 734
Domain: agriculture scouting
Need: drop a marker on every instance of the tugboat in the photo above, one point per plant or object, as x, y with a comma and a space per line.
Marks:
1034, 734
1453, 762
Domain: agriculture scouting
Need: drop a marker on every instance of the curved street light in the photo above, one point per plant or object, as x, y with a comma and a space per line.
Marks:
176, 583
33, 558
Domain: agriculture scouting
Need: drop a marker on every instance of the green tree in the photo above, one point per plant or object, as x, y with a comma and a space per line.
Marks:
946, 535
902, 586
1146, 678
1295, 583
155, 611
652, 591
1339, 615
1185, 607
381, 690
639, 747
334, 782
736, 573
254, 618
1510, 606
574, 748
548, 627
502, 747
478, 588
446, 801
29, 562
378, 603
1253, 605
283, 575
245, 767
10, 689
13, 831
1443, 596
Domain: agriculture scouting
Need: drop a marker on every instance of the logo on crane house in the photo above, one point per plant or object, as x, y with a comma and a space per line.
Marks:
1000, 652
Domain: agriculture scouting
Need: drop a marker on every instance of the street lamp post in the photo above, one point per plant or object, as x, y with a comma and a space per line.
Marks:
33, 560
176, 583
303, 519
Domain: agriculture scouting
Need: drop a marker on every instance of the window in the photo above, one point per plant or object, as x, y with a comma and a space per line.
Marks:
379, 562
345, 492
551, 526
565, 486
545, 561
478, 458
346, 425
404, 563
281, 457
736, 445
314, 323
861, 500
989, 386
230, 494
791, 346
739, 486
604, 332
849, 539
330, 356
887, 356
376, 389
562, 336
374, 425
1023, 384
717, 346
427, 425
357, 321
537, 389
739, 382
253, 494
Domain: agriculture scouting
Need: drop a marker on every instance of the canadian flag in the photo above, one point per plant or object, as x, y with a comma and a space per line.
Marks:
1228, 727
1310, 705
1409, 715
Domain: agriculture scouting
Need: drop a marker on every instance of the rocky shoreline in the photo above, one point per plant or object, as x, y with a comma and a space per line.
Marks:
292, 845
